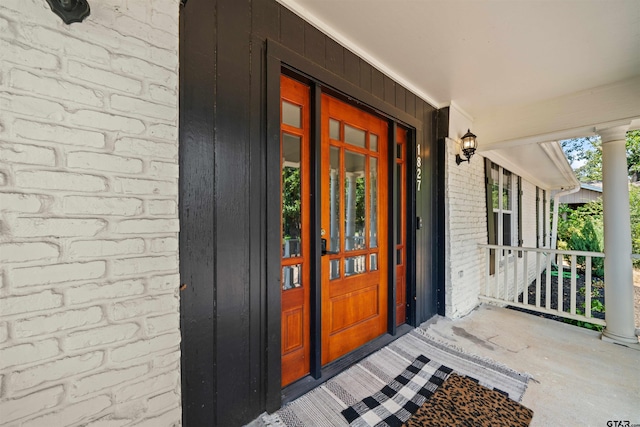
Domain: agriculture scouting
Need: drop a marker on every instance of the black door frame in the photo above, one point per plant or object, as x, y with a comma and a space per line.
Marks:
281, 60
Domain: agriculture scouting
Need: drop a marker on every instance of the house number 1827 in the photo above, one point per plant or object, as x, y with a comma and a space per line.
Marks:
418, 168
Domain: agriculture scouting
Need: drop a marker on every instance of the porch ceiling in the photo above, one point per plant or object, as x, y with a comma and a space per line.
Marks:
523, 71
543, 164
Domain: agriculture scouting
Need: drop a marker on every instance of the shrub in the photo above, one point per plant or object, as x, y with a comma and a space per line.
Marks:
582, 231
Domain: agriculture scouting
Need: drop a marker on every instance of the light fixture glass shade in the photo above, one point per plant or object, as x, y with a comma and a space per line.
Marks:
469, 141
469, 145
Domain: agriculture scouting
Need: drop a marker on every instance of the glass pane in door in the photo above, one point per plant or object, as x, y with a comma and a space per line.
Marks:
373, 142
291, 197
291, 276
291, 114
334, 200
354, 136
354, 265
373, 202
334, 129
354, 200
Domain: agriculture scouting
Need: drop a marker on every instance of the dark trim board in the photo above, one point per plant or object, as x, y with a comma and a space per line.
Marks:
198, 91
337, 86
393, 224
231, 56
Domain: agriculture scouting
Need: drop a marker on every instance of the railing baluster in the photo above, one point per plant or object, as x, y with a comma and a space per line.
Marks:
506, 275
525, 275
496, 269
573, 284
560, 284
538, 277
487, 271
587, 288
516, 282
547, 302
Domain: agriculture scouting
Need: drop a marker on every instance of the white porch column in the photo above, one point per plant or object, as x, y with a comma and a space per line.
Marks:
618, 270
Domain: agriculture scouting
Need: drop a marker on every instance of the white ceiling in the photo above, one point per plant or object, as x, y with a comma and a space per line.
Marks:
483, 54
521, 73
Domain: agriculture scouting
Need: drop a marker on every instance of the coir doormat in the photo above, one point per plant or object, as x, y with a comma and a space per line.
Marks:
462, 402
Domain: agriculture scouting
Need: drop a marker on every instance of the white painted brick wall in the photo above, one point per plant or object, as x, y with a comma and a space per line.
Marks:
89, 323
466, 228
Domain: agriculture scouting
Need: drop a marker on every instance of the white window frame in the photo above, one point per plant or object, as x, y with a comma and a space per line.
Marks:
501, 211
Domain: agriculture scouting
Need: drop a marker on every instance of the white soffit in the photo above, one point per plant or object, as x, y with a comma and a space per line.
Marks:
574, 115
487, 56
542, 164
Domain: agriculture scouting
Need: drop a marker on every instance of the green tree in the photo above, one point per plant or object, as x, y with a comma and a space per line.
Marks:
581, 230
589, 151
633, 155
634, 208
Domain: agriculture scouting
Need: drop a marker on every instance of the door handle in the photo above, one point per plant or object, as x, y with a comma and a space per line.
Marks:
323, 248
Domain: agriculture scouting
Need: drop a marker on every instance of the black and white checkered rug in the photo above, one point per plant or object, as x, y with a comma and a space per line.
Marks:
391, 383
401, 398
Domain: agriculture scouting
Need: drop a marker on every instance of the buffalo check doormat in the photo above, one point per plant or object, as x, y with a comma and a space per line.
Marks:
401, 398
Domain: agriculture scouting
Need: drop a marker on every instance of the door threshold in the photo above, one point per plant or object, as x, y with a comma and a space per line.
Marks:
308, 383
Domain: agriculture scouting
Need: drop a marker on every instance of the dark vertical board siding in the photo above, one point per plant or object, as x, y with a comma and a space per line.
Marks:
410, 103
351, 67
393, 220
414, 135
233, 212
314, 44
257, 195
335, 58
365, 76
377, 83
197, 212
436, 258
440, 123
429, 255
389, 91
401, 94
291, 30
265, 17
422, 253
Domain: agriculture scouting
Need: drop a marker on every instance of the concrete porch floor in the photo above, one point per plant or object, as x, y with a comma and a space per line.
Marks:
577, 379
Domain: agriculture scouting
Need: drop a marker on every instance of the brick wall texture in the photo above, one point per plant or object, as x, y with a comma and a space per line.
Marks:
466, 228
89, 319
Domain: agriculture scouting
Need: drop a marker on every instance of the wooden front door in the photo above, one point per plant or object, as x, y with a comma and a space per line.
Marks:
354, 232
296, 234
353, 228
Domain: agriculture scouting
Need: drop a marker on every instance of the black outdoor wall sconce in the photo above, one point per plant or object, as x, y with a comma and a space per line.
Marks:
70, 10
469, 145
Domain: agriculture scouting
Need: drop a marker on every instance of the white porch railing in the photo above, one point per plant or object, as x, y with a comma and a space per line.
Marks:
517, 280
